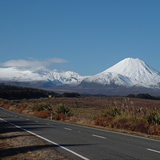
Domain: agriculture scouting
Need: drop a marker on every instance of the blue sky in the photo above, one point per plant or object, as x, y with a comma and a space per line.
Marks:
89, 35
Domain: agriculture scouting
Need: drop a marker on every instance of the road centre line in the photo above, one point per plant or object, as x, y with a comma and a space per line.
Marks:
94, 135
68, 129
107, 131
152, 150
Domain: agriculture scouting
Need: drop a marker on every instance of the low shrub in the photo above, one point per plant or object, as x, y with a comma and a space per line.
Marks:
60, 116
113, 112
140, 127
63, 109
40, 107
154, 129
153, 118
20, 109
42, 114
103, 121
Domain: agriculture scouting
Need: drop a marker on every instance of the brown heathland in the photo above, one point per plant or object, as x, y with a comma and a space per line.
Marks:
122, 113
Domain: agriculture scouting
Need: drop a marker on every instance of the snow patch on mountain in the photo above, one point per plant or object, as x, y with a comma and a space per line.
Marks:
14, 74
109, 78
68, 77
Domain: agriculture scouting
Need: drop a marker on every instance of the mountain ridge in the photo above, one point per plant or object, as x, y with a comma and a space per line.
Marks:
128, 73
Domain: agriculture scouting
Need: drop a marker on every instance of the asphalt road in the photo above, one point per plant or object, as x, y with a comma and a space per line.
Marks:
85, 143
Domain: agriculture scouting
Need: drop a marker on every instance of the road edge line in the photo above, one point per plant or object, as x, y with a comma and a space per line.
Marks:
36, 135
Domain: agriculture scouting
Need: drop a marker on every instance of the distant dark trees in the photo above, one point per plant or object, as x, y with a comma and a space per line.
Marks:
71, 94
143, 96
16, 92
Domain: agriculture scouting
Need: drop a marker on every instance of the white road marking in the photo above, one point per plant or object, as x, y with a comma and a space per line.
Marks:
108, 131
78, 155
68, 129
152, 150
94, 135
3, 120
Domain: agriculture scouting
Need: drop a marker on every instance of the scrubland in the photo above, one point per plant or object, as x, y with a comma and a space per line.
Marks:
131, 115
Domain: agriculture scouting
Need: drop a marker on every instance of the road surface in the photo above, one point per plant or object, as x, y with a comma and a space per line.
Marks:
86, 143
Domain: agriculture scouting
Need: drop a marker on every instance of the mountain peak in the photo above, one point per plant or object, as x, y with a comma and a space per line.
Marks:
129, 65
136, 70
132, 60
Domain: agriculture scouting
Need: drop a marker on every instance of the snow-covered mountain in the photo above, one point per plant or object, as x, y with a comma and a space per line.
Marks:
108, 78
67, 78
137, 71
127, 73
57, 77
13, 74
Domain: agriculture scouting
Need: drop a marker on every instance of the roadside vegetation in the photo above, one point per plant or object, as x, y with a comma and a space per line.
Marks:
138, 114
141, 116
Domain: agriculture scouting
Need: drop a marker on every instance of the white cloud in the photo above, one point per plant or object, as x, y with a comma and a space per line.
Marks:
32, 64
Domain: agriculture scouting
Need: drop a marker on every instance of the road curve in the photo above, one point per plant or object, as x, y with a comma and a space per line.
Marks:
86, 143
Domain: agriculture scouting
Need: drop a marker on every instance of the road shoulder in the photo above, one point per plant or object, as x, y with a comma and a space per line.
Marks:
16, 144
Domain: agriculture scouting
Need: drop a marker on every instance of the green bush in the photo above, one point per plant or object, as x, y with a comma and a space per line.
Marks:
38, 107
63, 109
112, 112
153, 118
41, 107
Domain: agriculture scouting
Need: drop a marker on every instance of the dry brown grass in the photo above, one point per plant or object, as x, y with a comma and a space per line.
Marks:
42, 114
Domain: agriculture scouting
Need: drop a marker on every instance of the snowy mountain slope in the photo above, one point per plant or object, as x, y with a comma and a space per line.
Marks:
13, 74
68, 77
128, 72
58, 77
137, 71
109, 78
